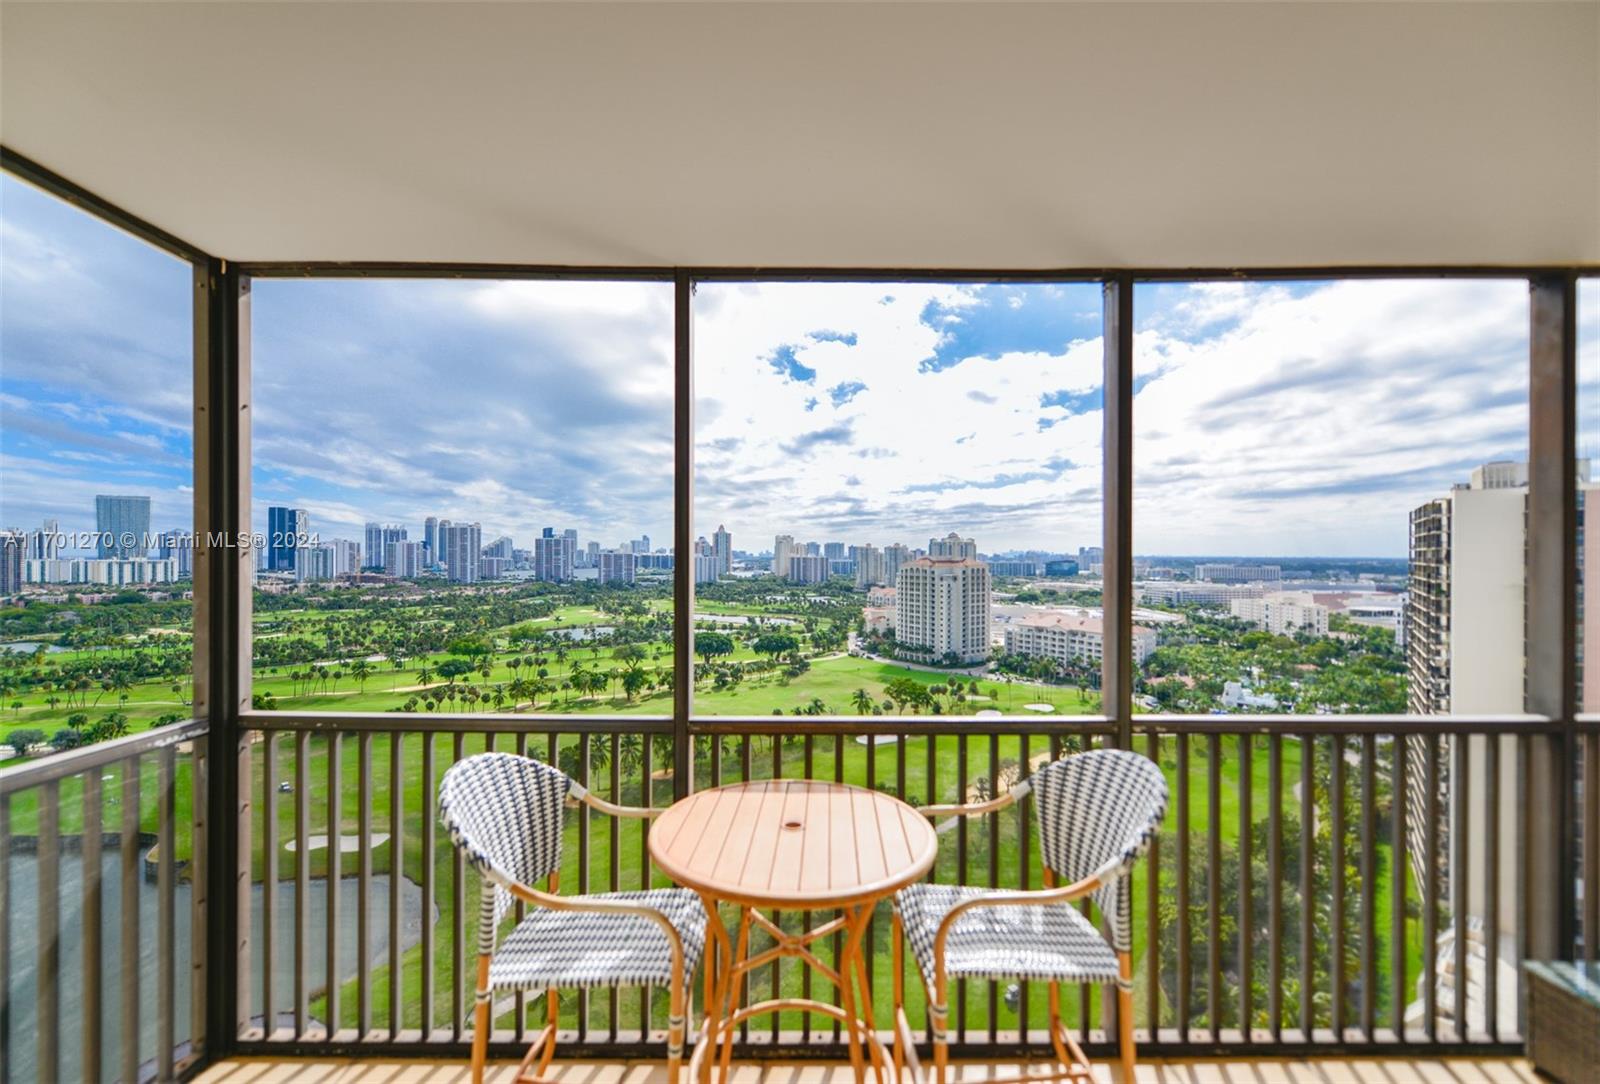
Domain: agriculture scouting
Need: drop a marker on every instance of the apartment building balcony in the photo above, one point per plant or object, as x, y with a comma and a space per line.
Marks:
249, 895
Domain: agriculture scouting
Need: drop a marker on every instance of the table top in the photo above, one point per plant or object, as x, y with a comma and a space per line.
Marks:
1581, 980
790, 843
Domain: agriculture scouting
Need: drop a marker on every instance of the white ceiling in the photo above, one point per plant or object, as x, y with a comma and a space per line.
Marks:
943, 135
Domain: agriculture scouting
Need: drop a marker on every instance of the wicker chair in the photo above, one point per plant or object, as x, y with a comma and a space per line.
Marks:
505, 813
1098, 812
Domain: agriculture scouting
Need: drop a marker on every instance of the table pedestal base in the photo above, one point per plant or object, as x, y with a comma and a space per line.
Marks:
732, 962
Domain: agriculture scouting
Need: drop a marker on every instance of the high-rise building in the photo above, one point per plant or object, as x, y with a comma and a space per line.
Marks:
808, 568
461, 545
13, 546
44, 544
1091, 559
555, 555
430, 538
346, 556
953, 545
707, 568
616, 566
501, 548
722, 546
941, 608
287, 529
782, 550
123, 525
1466, 654
869, 567
592, 552
403, 559
833, 551
813, 549
316, 562
377, 539
894, 556
177, 546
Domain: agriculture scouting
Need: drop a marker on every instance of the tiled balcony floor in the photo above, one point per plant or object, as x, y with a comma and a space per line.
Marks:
1255, 1071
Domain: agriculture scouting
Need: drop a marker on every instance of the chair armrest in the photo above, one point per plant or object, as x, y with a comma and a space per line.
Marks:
976, 809
579, 793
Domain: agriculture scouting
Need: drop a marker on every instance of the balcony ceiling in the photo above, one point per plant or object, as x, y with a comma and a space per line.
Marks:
945, 135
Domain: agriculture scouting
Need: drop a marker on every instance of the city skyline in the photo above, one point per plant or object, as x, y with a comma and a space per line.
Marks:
1270, 419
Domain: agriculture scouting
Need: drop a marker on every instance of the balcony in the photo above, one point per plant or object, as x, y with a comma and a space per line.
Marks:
237, 894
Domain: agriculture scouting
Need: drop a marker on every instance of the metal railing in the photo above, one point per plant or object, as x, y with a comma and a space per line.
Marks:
1280, 910
103, 911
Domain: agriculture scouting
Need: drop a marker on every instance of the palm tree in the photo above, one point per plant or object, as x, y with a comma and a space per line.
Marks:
863, 701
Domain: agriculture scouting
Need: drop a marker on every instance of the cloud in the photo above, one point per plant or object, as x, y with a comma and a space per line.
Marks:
846, 337
842, 393
832, 434
784, 362
1074, 402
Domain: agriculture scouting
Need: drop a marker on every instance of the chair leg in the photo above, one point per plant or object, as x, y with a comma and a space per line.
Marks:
481, 1021
938, 1020
899, 985
677, 1029
552, 1001
1125, 1017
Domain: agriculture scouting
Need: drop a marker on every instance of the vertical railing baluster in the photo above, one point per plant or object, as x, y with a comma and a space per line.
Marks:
47, 980
363, 884
1430, 895
5, 936
269, 876
458, 932
334, 853
1275, 884
396, 878
1460, 786
1491, 887
777, 916
962, 831
1182, 883
1308, 911
90, 1016
429, 833
519, 911
1336, 972
167, 944
1214, 884
1024, 874
1369, 886
199, 859
616, 856
302, 883
1247, 932
1591, 845
994, 872
1399, 872
1152, 961
128, 853
647, 799
838, 940
583, 865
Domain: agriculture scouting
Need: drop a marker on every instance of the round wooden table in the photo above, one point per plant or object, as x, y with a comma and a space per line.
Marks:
791, 845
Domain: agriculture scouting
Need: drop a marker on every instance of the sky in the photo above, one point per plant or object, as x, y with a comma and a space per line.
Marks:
1274, 419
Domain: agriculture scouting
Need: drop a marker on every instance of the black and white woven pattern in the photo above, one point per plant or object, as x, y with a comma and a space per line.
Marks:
505, 812
1098, 812
1048, 943
585, 950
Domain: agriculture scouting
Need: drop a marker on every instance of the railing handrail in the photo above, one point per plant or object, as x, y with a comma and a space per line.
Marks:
63, 765
909, 725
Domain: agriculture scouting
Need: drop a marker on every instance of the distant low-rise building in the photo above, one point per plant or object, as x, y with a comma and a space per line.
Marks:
1236, 696
1070, 636
1195, 594
1220, 572
1282, 614
1015, 568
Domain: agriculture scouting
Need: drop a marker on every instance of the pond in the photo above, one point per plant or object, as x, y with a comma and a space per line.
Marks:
22, 1051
